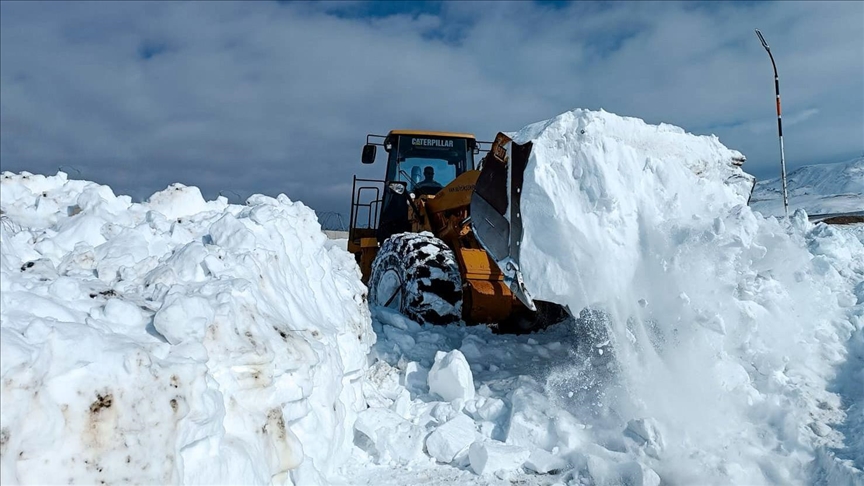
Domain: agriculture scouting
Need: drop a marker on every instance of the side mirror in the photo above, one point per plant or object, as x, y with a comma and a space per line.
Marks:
369, 152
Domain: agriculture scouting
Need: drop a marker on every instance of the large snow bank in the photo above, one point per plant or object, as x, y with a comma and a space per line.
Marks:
174, 340
818, 189
726, 327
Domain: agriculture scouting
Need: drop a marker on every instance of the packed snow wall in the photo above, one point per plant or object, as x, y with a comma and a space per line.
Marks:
725, 327
173, 341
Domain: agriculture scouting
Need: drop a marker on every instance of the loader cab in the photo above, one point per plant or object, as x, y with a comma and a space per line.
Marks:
419, 163
413, 157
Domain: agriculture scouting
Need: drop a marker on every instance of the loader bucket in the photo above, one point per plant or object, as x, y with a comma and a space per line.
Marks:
496, 217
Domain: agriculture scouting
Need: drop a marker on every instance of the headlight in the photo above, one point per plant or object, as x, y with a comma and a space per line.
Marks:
397, 187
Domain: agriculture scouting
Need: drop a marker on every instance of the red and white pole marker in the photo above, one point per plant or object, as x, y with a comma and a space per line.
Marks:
779, 123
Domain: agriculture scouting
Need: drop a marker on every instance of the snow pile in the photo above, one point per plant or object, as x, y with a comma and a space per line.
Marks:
177, 340
515, 430
599, 182
726, 327
818, 189
463, 435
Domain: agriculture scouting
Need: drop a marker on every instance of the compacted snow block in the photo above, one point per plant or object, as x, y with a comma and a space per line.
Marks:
388, 437
448, 440
451, 377
543, 462
530, 425
492, 457
174, 341
416, 378
646, 433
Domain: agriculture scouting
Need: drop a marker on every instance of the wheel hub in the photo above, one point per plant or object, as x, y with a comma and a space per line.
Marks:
388, 291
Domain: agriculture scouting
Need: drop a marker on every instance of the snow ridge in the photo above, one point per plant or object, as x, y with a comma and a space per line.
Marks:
177, 340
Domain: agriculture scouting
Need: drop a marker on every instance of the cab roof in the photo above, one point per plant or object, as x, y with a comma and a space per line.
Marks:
431, 133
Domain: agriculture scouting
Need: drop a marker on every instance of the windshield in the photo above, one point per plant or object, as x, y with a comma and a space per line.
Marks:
429, 172
430, 162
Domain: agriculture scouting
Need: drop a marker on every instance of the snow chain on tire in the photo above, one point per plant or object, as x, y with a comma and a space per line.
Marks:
417, 274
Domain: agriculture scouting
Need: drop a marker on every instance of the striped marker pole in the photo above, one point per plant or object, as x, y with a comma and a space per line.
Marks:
779, 123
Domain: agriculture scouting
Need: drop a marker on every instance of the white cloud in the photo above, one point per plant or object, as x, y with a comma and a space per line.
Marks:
260, 97
764, 127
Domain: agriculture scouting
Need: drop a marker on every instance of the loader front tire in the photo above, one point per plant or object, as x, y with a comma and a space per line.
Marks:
416, 274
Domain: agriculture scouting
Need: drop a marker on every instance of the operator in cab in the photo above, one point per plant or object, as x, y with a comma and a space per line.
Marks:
428, 185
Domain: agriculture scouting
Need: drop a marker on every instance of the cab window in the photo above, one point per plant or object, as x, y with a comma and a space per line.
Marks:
426, 161
426, 172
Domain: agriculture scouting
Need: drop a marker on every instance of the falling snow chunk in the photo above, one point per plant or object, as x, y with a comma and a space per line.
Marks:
646, 432
713, 322
529, 424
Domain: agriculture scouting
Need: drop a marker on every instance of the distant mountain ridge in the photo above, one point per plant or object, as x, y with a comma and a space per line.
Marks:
818, 189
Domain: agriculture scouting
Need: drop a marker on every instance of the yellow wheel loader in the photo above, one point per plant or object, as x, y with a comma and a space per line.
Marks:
438, 239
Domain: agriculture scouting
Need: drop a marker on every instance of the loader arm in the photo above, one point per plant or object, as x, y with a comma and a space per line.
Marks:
496, 216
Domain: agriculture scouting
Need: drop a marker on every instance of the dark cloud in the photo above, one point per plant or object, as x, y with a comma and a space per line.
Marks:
278, 97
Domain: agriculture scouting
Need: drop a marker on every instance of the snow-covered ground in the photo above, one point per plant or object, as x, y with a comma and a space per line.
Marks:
189, 341
817, 189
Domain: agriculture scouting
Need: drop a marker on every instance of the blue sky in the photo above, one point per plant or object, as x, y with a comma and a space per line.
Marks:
277, 97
